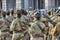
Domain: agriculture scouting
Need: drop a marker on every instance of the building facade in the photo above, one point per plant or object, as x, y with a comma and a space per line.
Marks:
57, 2
28, 4
21, 4
11, 4
49, 4
0, 4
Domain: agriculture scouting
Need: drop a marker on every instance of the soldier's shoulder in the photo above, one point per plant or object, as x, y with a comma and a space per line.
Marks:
34, 23
14, 20
42, 19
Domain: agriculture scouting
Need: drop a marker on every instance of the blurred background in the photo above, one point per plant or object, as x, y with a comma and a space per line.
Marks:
28, 4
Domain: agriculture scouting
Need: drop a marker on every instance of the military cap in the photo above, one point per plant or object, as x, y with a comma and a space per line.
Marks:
7, 12
17, 11
23, 12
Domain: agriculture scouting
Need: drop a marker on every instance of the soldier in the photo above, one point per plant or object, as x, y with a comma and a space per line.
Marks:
37, 29
4, 27
26, 20
9, 18
58, 27
55, 31
17, 27
53, 16
12, 15
31, 20
48, 26
7, 15
24, 17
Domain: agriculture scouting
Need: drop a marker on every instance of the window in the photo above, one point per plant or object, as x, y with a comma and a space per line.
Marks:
0, 4
19, 4
4, 4
11, 4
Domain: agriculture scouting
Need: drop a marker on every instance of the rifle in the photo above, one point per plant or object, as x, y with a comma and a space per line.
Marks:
42, 30
49, 19
53, 30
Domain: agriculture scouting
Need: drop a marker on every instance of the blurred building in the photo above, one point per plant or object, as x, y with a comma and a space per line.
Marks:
57, 3
28, 4
11, 4
49, 4
0, 4
21, 4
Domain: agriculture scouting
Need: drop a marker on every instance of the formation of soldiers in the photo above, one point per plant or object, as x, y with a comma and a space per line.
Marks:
17, 25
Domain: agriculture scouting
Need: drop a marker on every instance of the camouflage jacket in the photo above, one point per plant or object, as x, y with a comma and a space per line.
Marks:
35, 28
4, 24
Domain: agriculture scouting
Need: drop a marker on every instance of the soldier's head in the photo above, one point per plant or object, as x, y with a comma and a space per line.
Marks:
37, 16
23, 12
8, 13
12, 12
50, 13
3, 14
18, 13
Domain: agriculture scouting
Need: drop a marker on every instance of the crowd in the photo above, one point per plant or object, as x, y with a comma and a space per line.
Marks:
18, 25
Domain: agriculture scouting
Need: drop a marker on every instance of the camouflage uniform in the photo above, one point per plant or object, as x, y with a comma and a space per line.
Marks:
48, 26
54, 18
25, 19
58, 31
10, 18
36, 31
18, 28
58, 28
15, 24
55, 30
4, 25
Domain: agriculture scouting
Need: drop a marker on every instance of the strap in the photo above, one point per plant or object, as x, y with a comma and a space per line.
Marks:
40, 27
